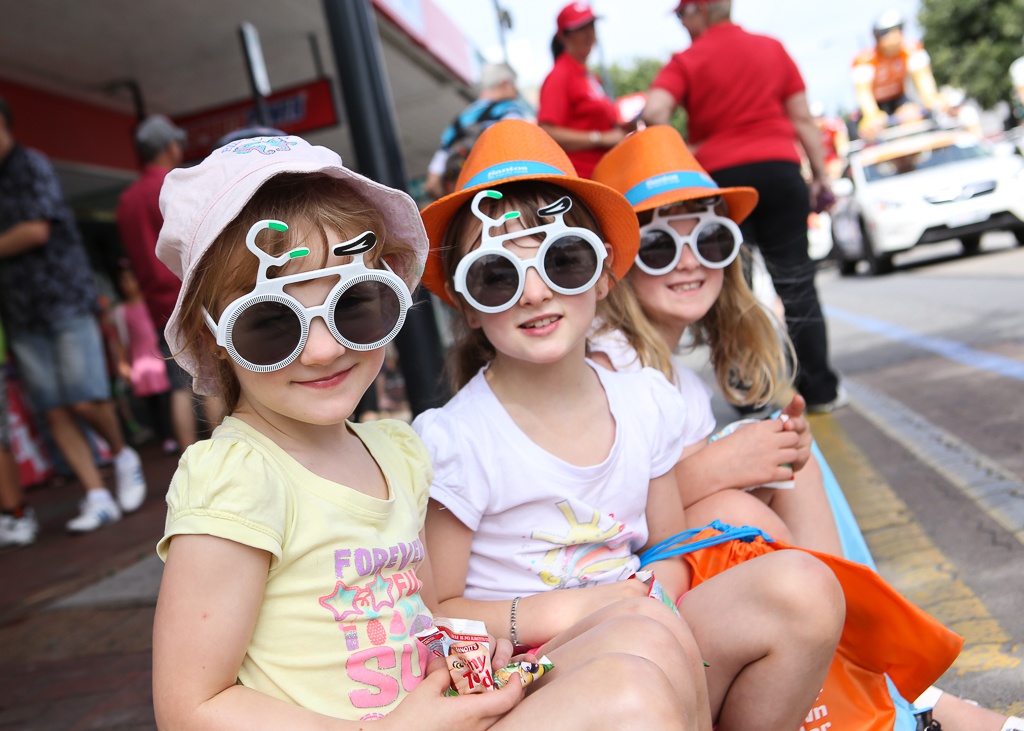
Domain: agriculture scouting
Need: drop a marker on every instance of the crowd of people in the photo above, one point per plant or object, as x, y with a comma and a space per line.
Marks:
305, 551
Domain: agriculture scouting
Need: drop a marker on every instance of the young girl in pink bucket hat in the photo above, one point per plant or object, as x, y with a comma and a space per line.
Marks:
296, 575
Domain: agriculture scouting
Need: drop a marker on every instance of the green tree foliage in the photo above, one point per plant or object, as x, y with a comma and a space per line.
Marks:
972, 44
638, 77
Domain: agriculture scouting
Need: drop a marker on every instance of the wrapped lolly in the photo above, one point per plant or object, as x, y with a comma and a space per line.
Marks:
527, 671
465, 646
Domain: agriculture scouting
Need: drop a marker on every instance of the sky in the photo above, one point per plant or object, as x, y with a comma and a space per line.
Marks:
822, 35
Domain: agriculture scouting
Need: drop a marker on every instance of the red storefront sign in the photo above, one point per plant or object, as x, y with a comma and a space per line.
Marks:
294, 110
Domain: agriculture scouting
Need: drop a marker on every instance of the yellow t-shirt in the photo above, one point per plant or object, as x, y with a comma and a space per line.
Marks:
335, 630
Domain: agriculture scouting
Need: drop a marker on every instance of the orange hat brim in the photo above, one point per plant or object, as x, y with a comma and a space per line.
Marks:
653, 168
612, 212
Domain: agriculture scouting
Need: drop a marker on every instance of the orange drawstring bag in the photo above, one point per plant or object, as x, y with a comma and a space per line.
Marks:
884, 634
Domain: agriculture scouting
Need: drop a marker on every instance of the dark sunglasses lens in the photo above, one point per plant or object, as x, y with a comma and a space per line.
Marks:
492, 280
657, 249
367, 312
570, 262
266, 333
715, 243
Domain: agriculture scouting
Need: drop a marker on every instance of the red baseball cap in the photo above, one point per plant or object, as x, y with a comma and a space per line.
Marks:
683, 3
575, 16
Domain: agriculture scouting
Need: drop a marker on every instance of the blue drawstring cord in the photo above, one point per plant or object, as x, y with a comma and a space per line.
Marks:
678, 544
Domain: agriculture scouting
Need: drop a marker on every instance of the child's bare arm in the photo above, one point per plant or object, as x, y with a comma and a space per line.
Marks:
209, 600
538, 618
753, 455
664, 520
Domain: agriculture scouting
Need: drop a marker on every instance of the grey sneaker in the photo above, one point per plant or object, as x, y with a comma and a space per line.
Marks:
18, 531
96, 513
842, 399
131, 483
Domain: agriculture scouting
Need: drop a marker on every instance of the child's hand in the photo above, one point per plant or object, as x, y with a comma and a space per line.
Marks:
502, 654
762, 453
427, 709
797, 422
581, 603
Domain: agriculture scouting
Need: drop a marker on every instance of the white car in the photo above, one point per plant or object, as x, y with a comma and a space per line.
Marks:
920, 189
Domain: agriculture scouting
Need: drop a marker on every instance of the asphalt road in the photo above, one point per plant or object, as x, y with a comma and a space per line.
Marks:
930, 452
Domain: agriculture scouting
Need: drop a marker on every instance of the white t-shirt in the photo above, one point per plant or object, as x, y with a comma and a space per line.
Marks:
538, 522
700, 419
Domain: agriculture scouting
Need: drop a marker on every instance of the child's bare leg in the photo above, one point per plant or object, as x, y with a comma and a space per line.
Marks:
806, 510
956, 714
737, 507
608, 691
768, 627
648, 629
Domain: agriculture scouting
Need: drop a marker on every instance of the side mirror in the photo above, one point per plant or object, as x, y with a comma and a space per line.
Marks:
843, 188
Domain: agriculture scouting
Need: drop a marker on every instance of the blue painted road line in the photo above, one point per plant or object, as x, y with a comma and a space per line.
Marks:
941, 346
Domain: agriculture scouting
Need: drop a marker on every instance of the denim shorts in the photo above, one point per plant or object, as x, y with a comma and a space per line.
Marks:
63, 365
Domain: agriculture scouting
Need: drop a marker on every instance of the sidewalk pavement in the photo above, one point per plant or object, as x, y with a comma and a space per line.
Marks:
76, 614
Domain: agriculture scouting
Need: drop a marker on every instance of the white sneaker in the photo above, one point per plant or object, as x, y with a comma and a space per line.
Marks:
842, 399
18, 531
97, 512
131, 483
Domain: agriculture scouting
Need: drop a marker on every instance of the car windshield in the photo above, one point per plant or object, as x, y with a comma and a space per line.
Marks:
923, 159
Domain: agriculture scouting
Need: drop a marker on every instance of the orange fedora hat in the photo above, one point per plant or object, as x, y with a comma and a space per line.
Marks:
654, 168
514, 150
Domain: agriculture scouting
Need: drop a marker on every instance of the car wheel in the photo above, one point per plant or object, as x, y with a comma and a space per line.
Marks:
971, 244
877, 263
847, 268
1019, 233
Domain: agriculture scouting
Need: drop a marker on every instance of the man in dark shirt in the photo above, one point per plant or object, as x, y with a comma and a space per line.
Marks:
48, 302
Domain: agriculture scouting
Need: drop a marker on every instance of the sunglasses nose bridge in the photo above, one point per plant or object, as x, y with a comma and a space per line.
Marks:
535, 287
321, 345
687, 254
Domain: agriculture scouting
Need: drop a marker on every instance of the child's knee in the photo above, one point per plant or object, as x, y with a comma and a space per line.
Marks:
806, 593
626, 688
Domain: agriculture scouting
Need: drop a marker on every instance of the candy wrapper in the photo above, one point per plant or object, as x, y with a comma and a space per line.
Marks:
465, 646
527, 671
655, 590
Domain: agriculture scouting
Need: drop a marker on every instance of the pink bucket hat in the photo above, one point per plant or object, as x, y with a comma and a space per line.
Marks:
199, 202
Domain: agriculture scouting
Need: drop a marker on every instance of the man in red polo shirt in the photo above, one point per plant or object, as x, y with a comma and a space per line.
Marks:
748, 124
160, 145
574, 108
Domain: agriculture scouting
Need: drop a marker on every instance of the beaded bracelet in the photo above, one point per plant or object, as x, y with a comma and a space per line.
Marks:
513, 635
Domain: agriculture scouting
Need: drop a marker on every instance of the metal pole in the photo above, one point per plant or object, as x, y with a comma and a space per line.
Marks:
371, 118
257, 69
503, 18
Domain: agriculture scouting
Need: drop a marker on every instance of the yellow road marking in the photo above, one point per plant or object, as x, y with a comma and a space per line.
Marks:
908, 559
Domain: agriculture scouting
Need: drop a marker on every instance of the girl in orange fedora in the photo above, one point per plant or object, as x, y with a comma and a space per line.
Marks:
688, 275
552, 473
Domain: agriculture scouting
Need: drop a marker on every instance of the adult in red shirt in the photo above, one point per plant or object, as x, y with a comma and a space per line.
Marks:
160, 145
574, 108
748, 124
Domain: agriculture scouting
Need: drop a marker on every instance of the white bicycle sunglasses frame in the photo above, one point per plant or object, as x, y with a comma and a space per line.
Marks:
493, 246
704, 218
272, 290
